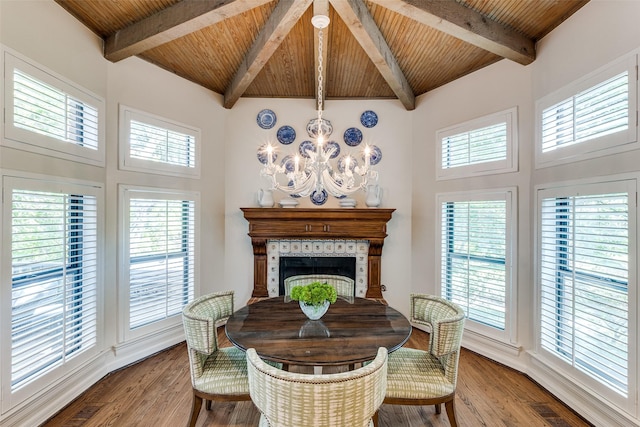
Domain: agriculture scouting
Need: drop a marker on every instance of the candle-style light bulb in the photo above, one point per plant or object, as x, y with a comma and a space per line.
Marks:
367, 156
297, 162
269, 154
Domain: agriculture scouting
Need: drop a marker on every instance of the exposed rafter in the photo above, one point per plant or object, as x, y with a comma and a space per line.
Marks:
280, 22
468, 25
361, 24
169, 24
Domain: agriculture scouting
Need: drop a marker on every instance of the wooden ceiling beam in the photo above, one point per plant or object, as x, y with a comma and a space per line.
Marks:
174, 22
282, 19
321, 7
361, 24
464, 23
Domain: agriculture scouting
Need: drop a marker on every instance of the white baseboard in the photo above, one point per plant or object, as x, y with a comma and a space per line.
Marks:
588, 404
43, 405
46, 403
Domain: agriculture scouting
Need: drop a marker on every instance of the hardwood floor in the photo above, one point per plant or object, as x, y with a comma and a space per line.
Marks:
157, 392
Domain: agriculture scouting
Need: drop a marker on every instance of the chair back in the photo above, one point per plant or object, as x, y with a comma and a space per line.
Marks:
200, 318
344, 285
446, 320
346, 399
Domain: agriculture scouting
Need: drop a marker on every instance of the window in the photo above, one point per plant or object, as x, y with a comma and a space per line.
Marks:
584, 279
591, 115
53, 275
475, 254
157, 145
487, 145
48, 115
160, 256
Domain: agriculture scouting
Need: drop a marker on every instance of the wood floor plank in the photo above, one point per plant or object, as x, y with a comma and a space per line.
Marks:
156, 392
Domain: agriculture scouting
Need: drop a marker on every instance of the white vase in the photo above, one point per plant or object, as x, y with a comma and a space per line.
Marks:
314, 312
265, 198
373, 196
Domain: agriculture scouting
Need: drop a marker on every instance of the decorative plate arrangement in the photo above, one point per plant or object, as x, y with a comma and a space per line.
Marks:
375, 155
335, 146
286, 135
266, 119
263, 155
352, 137
319, 197
304, 146
369, 119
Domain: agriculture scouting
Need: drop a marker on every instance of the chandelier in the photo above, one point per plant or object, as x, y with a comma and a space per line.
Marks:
316, 171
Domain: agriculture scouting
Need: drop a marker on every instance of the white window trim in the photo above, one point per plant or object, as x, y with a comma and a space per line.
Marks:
11, 179
509, 164
147, 166
510, 195
23, 139
581, 380
125, 193
597, 147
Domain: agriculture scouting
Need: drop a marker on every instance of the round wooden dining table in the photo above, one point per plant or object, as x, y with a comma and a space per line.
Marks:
350, 332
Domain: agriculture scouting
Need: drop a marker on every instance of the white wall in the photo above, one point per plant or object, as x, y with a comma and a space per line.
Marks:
499, 87
392, 135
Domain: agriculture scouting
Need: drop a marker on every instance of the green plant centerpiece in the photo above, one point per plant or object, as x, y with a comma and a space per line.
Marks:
314, 298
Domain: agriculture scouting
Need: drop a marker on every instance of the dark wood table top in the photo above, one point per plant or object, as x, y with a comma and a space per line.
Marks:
348, 333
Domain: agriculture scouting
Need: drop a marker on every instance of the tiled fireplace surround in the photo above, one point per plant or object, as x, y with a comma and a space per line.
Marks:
277, 232
317, 248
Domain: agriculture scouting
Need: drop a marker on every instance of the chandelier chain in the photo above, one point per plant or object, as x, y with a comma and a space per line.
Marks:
320, 79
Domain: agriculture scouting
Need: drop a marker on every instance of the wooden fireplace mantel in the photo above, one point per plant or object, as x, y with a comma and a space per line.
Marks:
299, 223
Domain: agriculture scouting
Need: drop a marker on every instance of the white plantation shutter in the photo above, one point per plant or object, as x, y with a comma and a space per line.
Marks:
584, 276
44, 109
487, 145
161, 258
476, 146
156, 144
54, 280
593, 113
474, 257
49, 115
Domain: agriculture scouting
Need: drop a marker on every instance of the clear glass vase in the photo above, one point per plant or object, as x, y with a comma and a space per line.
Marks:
314, 312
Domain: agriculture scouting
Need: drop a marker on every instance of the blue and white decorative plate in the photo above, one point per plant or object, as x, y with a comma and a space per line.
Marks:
304, 146
295, 196
335, 146
266, 119
263, 153
375, 155
369, 119
286, 135
342, 163
352, 136
288, 163
319, 198
326, 128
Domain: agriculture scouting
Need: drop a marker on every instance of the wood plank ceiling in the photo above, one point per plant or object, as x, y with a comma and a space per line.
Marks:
382, 49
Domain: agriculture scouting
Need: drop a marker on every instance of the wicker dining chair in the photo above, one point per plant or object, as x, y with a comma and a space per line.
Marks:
217, 373
344, 285
346, 399
419, 377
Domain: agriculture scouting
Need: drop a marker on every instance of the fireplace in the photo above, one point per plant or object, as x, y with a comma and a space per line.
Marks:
357, 233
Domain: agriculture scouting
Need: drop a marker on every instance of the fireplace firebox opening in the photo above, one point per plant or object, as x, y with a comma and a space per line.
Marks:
296, 266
